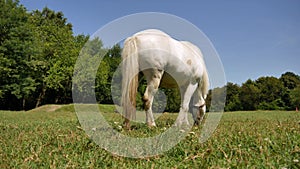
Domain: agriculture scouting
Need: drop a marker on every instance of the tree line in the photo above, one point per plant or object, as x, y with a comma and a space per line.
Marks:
38, 52
264, 93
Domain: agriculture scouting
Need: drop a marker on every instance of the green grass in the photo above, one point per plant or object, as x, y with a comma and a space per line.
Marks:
44, 138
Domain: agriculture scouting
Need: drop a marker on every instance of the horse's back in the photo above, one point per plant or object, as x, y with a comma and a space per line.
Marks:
151, 32
159, 43
179, 58
152, 39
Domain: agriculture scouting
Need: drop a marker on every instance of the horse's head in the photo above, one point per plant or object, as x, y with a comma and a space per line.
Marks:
198, 113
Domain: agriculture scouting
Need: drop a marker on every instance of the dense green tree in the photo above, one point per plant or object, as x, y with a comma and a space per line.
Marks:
16, 49
290, 80
295, 97
271, 92
91, 73
232, 97
37, 55
173, 99
216, 99
113, 60
57, 54
102, 86
249, 95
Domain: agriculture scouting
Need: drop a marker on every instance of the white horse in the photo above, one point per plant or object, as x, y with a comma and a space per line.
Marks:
165, 62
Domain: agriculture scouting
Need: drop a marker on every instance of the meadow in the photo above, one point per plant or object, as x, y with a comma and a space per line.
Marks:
51, 137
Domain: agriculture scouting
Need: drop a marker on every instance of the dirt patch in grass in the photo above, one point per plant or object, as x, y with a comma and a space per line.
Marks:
46, 108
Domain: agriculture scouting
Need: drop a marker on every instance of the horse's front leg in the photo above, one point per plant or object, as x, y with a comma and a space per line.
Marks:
186, 95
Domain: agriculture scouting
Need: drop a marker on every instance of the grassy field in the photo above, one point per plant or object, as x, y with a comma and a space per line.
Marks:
51, 136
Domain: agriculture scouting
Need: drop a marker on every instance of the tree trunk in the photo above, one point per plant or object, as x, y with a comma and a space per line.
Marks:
23, 103
41, 97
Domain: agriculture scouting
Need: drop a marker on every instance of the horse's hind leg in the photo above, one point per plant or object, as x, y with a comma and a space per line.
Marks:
153, 77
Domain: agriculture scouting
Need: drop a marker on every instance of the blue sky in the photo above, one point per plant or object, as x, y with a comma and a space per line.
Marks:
253, 38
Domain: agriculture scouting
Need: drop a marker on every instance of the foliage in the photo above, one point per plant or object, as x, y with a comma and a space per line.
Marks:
290, 80
112, 59
16, 50
265, 93
57, 54
295, 96
249, 95
37, 55
233, 102
215, 100
271, 92
87, 70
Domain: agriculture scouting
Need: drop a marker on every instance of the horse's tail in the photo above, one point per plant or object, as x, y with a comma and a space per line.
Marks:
130, 69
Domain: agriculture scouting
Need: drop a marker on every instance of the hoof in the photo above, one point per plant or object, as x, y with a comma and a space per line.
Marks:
180, 123
151, 124
126, 125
